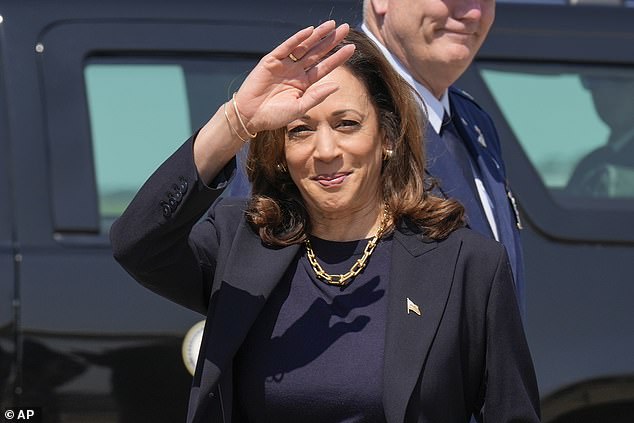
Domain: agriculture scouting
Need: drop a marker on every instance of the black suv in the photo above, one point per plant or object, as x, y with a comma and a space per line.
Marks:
95, 94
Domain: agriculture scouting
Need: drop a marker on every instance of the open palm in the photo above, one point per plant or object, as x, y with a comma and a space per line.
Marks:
284, 84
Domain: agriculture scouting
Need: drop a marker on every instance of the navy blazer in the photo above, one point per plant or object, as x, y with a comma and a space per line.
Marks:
466, 353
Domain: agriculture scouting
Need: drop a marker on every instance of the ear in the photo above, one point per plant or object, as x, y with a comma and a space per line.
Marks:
379, 7
387, 145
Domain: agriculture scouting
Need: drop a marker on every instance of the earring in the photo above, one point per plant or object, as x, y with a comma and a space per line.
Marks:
387, 154
281, 167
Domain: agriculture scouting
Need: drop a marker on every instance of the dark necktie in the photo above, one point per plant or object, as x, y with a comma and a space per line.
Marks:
457, 148
468, 196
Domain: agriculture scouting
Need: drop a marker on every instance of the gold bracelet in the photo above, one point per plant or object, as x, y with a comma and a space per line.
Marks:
235, 107
231, 126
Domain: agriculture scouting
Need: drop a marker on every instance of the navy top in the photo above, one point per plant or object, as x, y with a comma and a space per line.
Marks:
315, 353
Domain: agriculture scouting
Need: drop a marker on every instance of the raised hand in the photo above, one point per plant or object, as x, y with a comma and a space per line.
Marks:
285, 83
282, 87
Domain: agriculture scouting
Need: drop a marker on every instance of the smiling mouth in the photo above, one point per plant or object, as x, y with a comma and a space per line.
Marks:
331, 180
457, 33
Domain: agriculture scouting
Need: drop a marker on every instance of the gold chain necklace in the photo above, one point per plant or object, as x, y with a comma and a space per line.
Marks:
357, 267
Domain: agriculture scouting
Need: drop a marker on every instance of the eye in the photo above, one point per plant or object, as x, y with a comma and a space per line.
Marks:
347, 123
298, 130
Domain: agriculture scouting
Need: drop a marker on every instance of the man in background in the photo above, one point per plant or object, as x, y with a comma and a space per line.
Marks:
608, 171
431, 43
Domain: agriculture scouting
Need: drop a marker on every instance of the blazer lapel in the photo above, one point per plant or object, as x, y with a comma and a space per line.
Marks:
251, 273
423, 273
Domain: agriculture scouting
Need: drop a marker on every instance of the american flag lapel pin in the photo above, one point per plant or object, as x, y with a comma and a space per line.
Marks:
412, 307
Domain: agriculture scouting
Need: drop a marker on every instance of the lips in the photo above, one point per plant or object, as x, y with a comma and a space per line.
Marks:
465, 32
332, 179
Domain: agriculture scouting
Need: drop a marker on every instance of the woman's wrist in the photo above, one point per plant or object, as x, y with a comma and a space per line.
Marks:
232, 126
217, 142
242, 120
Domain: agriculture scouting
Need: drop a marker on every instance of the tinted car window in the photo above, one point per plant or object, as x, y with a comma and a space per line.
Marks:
575, 125
140, 111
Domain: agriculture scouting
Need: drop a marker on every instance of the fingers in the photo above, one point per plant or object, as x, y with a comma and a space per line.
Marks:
310, 44
329, 64
280, 85
317, 35
324, 45
308, 35
315, 94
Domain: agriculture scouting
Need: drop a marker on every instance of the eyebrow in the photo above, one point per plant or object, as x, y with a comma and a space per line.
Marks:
335, 113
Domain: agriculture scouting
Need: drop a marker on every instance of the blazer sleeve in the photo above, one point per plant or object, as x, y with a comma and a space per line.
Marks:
510, 387
153, 239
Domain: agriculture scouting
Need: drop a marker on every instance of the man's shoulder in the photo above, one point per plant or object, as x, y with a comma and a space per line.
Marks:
458, 95
474, 116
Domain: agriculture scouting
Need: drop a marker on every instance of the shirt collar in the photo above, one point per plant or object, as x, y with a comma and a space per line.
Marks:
433, 107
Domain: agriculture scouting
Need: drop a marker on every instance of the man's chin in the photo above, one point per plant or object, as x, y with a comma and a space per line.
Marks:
457, 54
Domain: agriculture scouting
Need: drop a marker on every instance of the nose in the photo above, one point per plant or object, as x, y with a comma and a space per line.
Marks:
326, 145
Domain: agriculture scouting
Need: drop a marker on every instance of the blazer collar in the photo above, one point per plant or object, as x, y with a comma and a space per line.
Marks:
421, 271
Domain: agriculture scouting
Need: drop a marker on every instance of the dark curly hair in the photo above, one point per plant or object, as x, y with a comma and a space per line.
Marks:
276, 209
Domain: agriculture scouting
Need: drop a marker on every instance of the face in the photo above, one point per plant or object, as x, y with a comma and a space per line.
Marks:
334, 152
611, 95
435, 39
